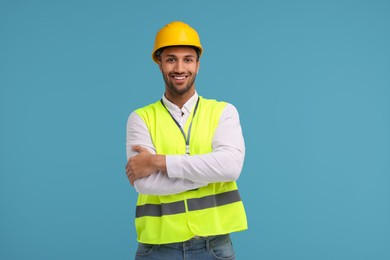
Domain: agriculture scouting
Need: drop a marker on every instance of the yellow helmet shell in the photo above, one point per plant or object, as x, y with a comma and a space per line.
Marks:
176, 34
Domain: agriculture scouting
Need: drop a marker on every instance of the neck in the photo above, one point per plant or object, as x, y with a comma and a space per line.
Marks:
179, 99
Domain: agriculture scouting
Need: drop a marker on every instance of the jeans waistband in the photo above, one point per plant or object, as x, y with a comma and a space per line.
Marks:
196, 242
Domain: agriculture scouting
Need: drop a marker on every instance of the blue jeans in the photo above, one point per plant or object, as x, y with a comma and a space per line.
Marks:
207, 248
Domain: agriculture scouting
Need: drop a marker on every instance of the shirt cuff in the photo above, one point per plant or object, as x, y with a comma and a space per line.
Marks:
174, 166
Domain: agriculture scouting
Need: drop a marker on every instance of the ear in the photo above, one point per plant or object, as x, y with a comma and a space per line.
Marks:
197, 70
159, 65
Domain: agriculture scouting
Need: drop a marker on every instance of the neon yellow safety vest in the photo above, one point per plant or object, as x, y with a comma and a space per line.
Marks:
214, 209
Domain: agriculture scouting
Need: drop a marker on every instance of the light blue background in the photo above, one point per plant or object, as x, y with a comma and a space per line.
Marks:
311, 80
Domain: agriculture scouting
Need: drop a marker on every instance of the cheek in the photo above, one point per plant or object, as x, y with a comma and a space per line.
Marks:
197, 68
164, 71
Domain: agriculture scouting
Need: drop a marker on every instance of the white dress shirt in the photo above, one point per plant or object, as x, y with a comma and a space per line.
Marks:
187, 172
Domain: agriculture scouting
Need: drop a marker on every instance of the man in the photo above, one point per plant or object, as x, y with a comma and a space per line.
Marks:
184, 154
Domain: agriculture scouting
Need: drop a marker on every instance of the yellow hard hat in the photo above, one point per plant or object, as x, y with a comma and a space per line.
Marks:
176, 34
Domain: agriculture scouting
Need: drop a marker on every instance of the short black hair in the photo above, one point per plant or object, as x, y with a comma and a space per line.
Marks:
158, 52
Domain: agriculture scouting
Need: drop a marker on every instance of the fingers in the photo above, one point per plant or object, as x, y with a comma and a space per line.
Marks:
129, 174
128, 169
139, 148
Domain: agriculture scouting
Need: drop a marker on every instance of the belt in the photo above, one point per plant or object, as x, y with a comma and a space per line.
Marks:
199, 237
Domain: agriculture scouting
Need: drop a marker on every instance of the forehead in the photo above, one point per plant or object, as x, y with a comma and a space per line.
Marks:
179, 51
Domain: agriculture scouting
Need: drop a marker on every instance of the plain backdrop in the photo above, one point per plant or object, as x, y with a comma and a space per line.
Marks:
310, 79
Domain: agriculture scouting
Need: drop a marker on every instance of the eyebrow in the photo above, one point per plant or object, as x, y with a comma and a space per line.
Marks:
185, 56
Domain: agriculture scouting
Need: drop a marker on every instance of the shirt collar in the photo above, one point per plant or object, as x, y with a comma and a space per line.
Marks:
187, 107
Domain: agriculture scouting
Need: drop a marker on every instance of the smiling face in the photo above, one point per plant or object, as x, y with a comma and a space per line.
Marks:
179, 66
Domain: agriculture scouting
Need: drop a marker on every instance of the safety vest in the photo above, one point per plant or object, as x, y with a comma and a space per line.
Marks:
214, 209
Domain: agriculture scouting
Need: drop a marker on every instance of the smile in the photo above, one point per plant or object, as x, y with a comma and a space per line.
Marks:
179, 77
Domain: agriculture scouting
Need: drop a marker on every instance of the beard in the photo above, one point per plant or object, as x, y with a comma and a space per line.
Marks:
171, 86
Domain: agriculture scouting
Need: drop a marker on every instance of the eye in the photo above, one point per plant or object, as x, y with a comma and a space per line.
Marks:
188, 60
170, 60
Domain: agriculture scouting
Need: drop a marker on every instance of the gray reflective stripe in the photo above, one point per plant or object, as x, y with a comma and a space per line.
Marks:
214, 200
158, 210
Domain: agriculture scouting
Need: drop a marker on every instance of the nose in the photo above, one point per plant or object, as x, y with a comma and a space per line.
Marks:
179, 68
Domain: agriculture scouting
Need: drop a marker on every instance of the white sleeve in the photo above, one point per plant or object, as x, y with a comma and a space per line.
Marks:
225, 161
158, 183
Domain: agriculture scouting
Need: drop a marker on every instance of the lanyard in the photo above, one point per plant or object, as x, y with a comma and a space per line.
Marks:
186, 137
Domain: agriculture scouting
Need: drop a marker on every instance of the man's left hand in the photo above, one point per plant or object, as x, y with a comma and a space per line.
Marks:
143, 164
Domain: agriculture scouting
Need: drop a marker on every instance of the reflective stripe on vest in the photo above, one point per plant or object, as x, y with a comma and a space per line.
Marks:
158, 210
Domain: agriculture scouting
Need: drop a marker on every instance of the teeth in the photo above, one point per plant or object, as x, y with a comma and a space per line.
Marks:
180, 78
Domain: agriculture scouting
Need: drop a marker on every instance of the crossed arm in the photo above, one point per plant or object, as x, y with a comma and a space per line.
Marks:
151, 173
